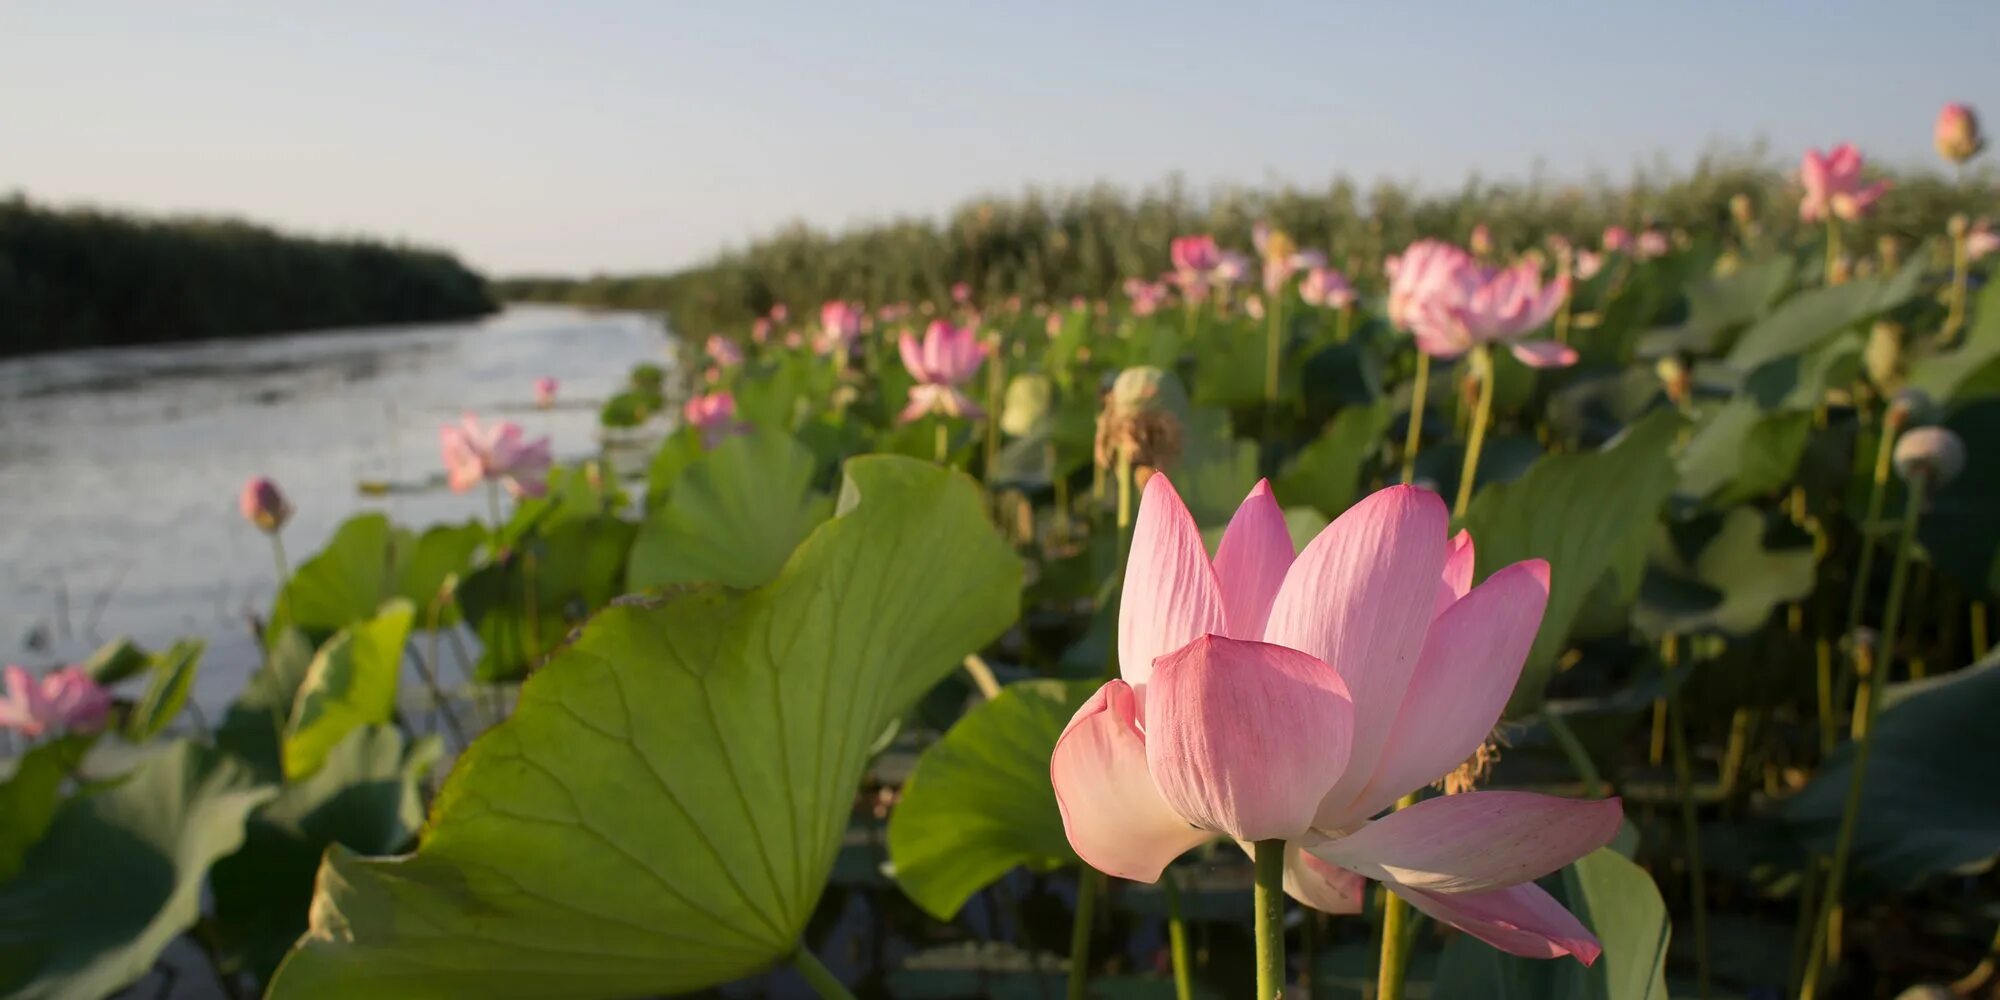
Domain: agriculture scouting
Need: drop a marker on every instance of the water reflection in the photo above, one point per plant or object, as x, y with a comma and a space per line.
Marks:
119, 468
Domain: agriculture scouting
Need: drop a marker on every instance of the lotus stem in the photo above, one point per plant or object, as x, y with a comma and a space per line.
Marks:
1088, 885
1177, 941
943, 440
1413, 438
995, 391
818, 976
1690, 818
284, 577
1396, 926
1343, 325
1482, 367
493, 508
1981, 974
1878, 491
1273, 341
1832, 251
1270, 903
1954, 317
982, 676
1872, 664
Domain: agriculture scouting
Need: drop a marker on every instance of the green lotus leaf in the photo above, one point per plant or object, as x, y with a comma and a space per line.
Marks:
663, 809
733, 516
1803, 321
173, 677
1731, 585
1327, 472
1613, 897
351, 683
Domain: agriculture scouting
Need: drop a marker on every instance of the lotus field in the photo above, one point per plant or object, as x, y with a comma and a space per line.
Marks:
1605, 618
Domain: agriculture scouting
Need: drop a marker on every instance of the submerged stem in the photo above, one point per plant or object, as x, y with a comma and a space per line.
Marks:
818, 976
1270, 903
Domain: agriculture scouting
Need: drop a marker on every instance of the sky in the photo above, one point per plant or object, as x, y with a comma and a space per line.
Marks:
638, 135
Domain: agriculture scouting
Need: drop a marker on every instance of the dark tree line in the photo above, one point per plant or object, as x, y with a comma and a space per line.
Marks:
1055, 244
84, 278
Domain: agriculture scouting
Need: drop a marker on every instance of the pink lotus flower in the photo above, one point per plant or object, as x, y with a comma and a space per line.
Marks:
779, 314
1957, 133
794, 340
1833, 185
723, 351
1265, 695
961, 292
1146, 296
66, 699
1651, 243
714, 415
1615, 239
760, 330
1418, 273
1233, 269
947, 356
839, 326
1194, 254
498, 451
264, 505
1324, 286
1588, 264
1253, 306
545, 392
1473, 305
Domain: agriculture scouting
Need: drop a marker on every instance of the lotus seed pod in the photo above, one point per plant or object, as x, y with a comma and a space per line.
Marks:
1931, 455
1144, 412
1883, 357
1675, 378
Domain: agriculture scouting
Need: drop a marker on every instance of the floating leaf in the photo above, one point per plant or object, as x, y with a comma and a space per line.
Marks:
661, 812
732, 517
1613, 897
120, 875
1578, 512
1921, 813
979, 802
351, 683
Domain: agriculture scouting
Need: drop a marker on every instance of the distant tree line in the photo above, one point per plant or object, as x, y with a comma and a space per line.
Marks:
83, 278
1056, 244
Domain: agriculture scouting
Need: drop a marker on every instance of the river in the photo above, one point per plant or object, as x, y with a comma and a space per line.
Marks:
119, 468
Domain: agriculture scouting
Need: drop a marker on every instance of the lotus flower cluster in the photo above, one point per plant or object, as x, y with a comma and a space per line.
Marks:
1266, 695
65, 700
714, 415
946, 357
475, 452
1452, 303
1324, 286
1834, 189
264, 505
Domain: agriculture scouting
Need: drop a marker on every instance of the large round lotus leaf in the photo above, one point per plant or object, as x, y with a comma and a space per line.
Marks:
351, 683
732, 516
662, 811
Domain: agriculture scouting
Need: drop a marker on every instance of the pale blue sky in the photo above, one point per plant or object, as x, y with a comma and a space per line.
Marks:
582, 136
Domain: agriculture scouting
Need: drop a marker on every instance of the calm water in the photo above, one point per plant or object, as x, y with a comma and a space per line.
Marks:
119, 468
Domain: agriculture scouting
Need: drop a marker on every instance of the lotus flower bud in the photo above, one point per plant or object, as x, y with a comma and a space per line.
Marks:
264, 505
1958, 225
1933, 456
1481, 242
1957, 133
1883, 357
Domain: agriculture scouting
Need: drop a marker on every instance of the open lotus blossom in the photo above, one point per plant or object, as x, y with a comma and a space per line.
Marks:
1146, 296
1472, 304
1194, 254
61, 700
1588, 263
961, 292
1418, 272
839, 327
545, 392
941, 362
1233, 269
1651, 243
264, 505
1833, 185
1957, 133
1324, 286
474, 452
779, 313
760, 330
714, 414
723, 351
1270, 695
1616, 239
